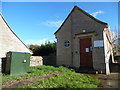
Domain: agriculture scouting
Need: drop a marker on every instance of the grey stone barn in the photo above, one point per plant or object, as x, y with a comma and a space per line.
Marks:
9, 41
84, 41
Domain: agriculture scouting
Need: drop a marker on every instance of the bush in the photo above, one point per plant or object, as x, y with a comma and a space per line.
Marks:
43, 50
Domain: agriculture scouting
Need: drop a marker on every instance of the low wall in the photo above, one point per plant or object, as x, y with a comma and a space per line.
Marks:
49, 60
36, 60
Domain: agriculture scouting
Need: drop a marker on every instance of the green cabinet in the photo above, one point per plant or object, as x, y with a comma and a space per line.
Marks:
17, 63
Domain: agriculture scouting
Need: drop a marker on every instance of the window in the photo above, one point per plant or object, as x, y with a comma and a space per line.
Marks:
66, 44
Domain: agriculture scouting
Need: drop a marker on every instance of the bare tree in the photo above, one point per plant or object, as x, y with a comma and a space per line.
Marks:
114, 38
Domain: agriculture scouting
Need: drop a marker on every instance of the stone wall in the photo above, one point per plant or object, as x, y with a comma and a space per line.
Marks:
45, 60
36, 60
72, 31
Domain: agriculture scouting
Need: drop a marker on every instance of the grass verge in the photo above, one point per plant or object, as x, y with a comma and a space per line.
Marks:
66, 80
35, 71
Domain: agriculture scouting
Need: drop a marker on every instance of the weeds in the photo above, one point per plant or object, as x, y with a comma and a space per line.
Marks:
35, 71
66, 80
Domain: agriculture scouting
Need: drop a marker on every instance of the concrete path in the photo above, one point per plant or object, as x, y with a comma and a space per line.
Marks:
110, 81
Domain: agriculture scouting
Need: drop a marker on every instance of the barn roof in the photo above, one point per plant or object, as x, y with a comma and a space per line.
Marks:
76, 7
13, 31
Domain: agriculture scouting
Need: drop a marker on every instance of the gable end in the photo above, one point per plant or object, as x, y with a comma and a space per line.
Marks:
85, 14
13, 32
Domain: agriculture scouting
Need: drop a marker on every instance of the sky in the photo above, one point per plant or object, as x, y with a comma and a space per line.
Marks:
119, 19
36, 22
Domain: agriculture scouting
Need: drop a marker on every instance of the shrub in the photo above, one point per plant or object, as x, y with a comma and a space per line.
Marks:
43, 50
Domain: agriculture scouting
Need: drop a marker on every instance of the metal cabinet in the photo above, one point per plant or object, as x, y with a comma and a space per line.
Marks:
17, 63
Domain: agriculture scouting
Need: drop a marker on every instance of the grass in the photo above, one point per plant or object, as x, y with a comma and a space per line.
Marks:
0, 80
35, 71
66, 80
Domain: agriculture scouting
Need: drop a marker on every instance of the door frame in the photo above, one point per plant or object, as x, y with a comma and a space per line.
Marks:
92, 48
85, 35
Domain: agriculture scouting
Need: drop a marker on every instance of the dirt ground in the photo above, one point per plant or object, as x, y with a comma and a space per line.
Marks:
107, 81
15, 84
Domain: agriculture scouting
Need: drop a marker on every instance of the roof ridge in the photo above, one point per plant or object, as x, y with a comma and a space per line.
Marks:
90, 15
82, 12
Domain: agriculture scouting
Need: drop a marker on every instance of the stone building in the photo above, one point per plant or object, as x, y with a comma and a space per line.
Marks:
84, 41
9, 41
